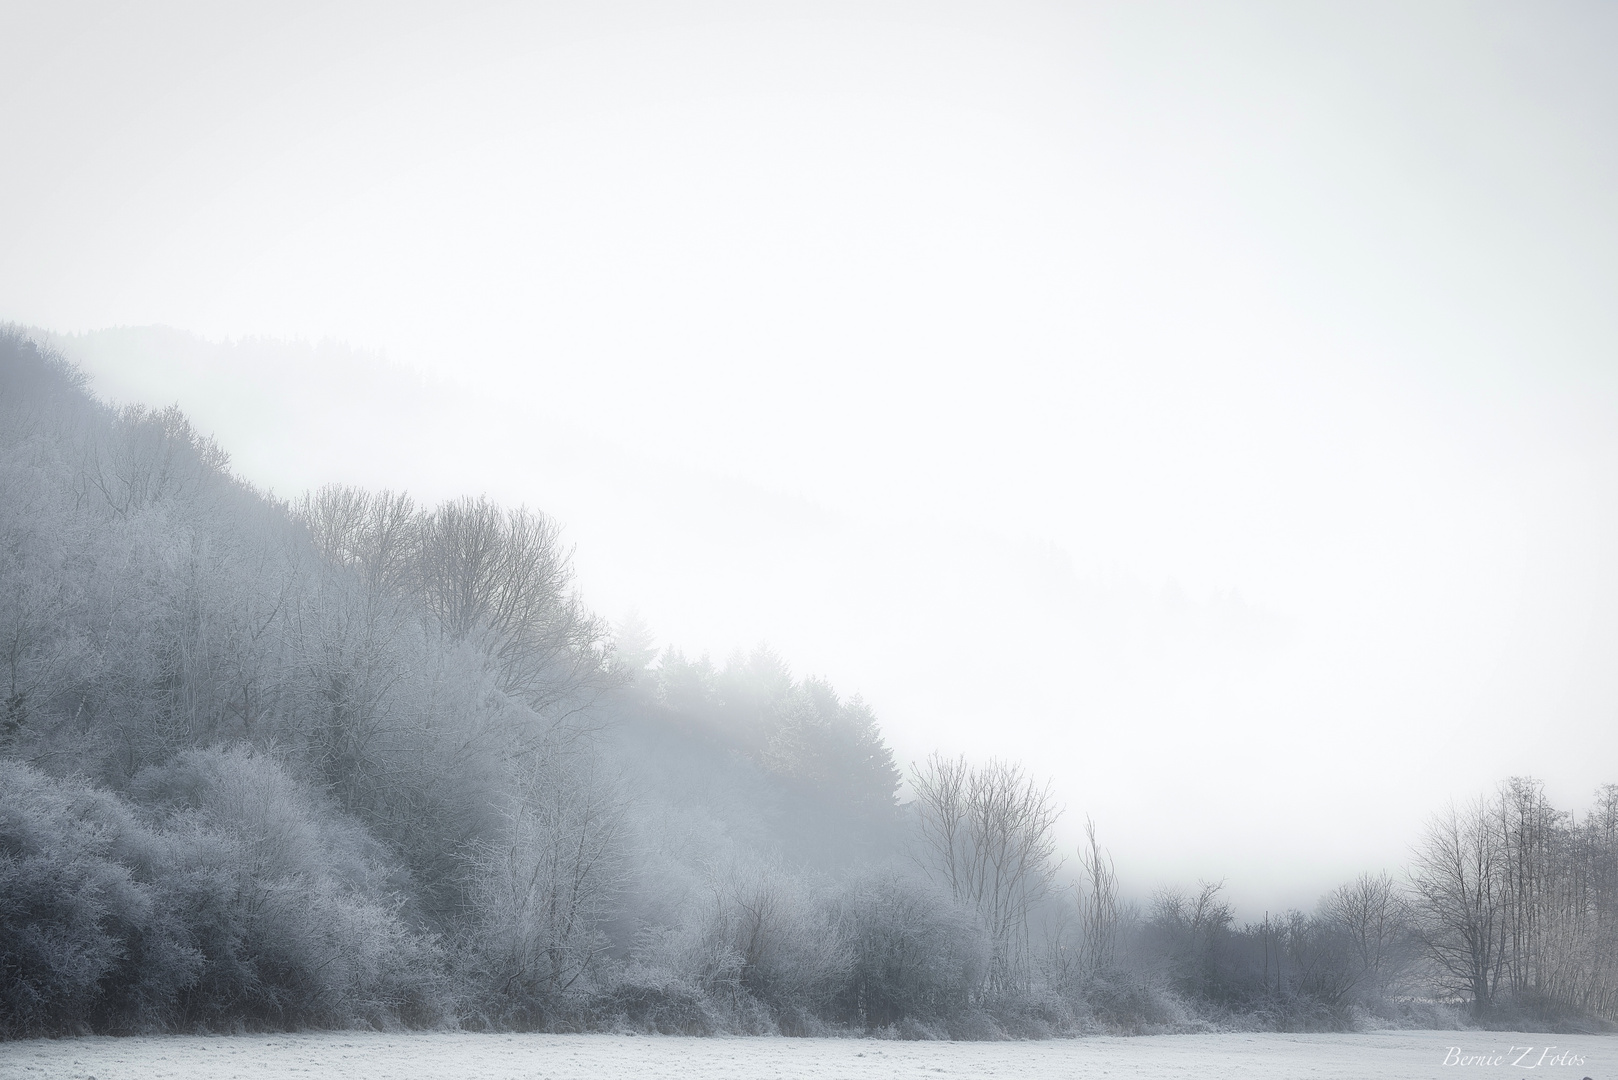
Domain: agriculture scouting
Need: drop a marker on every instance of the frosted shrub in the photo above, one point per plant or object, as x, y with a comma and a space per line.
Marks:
663, 987
288, 902
83, 941
542, 891
789, 954
916, 955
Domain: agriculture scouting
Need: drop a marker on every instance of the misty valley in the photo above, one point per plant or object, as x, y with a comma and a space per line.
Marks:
351, 761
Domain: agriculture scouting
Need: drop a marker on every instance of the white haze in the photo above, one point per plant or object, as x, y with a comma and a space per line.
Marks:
1211, 405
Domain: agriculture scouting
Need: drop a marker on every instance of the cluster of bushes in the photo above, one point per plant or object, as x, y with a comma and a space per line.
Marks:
1353, 957
221, 900
232, 895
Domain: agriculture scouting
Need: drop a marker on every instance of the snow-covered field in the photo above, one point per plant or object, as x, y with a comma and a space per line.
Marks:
362, 1056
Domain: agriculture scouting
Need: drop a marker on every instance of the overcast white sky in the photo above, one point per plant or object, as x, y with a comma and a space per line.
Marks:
1211, 404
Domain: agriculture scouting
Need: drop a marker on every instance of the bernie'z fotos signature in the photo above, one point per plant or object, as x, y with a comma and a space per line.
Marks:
1518, 1057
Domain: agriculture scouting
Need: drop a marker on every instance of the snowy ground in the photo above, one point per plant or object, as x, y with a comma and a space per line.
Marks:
362, 1056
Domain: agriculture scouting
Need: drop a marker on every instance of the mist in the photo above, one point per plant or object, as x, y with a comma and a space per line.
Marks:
1209, 407
1441, 631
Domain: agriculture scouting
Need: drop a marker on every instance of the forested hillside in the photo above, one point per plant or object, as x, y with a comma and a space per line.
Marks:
355, 760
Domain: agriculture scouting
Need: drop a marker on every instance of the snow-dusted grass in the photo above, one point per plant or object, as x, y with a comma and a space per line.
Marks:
1387, 1055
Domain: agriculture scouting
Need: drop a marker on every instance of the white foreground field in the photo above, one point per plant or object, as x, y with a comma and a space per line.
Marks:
1389, 1055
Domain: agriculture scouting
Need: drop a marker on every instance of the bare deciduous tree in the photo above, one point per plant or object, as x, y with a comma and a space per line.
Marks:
987, 835
1458, 900
501, 577
1370, 913
373, 532
544, 890
1098, 904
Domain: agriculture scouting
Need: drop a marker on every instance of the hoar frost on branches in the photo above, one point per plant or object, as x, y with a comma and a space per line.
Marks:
544, 888
988, 836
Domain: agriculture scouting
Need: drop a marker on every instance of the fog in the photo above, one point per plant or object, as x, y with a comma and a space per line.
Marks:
1210, 407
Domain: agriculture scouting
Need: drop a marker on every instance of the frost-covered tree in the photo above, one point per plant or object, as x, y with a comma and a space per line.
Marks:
1458, 901
987, 835
1371, 914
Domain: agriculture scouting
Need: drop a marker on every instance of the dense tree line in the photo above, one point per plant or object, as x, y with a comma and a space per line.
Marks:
1516, 903
355, 760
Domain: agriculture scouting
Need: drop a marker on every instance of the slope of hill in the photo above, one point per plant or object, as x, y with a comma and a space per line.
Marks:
352, 759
